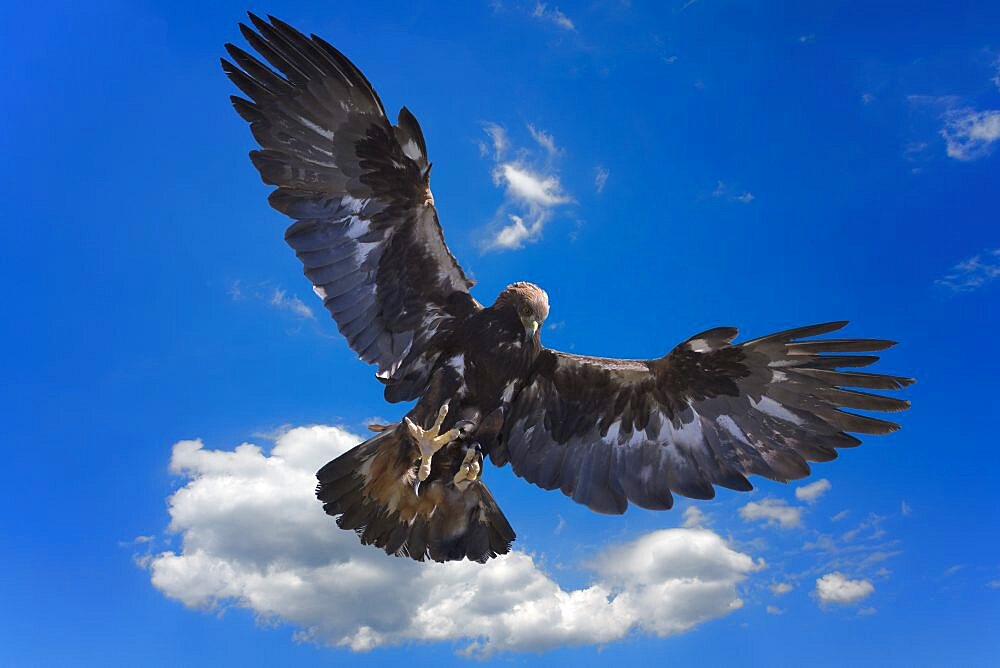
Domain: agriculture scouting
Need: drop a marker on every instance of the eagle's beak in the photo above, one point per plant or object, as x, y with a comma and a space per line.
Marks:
531, 326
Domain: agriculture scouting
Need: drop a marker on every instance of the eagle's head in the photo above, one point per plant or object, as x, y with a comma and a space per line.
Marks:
530, 302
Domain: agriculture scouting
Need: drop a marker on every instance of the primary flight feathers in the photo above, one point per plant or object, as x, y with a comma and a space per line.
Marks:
606, 432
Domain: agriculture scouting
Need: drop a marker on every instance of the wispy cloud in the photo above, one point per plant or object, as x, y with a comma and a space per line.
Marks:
601, 175
722, 192
996, 66
531, 186
253, 537
282, 300
498, 138
970, 134
805, 39
275, 297
972, 273
841, 515
545, 140
838, 589
552, 15
813, 490
775, 512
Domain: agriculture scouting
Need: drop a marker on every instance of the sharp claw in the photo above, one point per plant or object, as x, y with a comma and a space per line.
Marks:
429, 441
470, 468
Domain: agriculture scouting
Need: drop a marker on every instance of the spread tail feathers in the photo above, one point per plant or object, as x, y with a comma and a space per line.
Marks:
371, 489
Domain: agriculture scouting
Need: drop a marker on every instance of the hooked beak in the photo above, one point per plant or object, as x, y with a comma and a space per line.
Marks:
530, 326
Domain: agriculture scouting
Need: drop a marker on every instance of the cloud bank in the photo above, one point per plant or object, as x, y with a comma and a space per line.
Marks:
252, 536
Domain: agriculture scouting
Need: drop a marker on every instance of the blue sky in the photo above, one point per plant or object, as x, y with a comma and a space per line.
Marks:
672, 166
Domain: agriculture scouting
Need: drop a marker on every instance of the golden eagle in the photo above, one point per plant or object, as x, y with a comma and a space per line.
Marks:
606, 432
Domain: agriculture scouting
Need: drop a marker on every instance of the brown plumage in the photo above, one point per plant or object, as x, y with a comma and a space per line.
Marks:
606, 432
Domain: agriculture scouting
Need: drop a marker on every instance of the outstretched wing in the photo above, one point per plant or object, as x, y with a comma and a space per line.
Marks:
608, 431
357, 186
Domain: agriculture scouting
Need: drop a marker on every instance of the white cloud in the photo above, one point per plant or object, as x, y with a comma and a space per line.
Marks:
993, 584
904, 509
804, 39
693, 517
253, 536
774, 610
813, 490
535, 189
867, 612
532, 191
837, 588
498, 137
553, 16
601, 175
545, 140
282, 300
970, 134
774, 511
841, 515
952, 570
867, 98
514, 235
972, 273
277, 298
780, 588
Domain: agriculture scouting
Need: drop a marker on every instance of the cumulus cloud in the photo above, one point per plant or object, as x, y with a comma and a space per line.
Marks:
780, 588
970, 134
252, 536
813, 490
693, 517
837, 588
532, 188
972, 273
775, 512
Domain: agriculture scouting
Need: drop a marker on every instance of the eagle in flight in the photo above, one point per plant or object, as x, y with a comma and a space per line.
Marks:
606, 432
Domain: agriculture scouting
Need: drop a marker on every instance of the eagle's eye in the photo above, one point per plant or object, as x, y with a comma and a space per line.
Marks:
525, 311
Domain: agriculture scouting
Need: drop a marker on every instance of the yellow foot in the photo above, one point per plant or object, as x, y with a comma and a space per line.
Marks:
470, 468
429, 441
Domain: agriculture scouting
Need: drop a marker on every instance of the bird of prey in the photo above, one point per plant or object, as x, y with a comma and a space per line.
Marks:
605, 432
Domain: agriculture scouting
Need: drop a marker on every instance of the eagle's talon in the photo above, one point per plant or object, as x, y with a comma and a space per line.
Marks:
429, 441
470, 468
